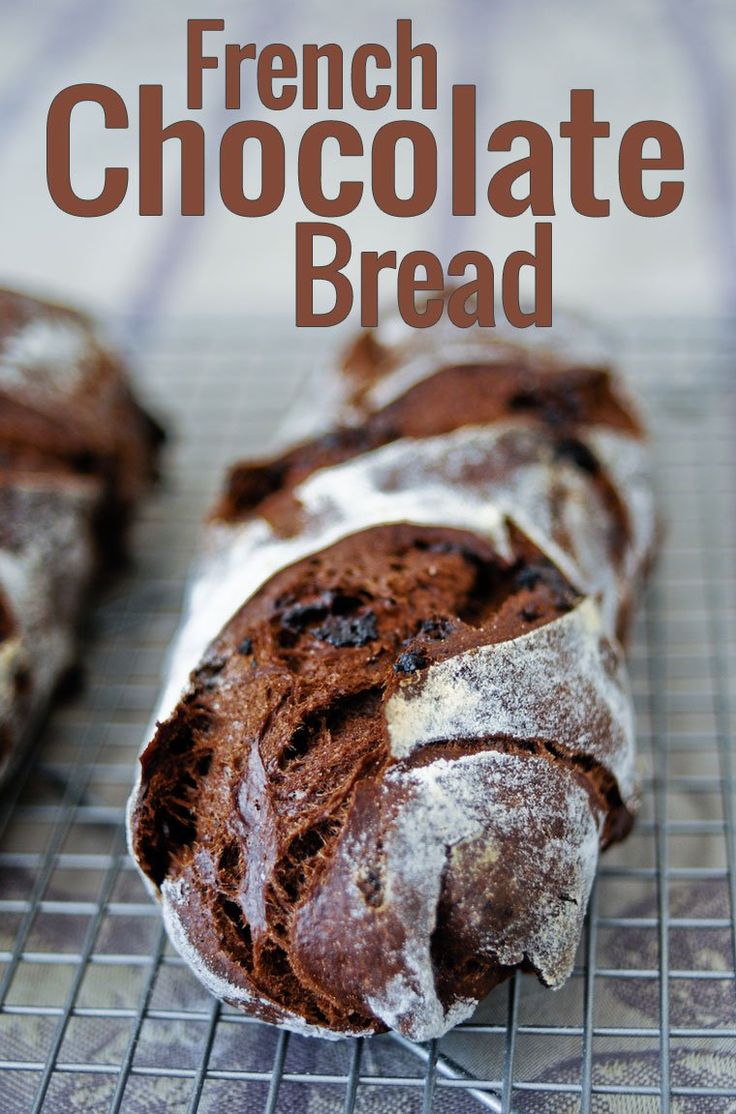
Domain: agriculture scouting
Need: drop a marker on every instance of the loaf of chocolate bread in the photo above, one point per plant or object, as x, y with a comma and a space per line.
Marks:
76, 451
396, 729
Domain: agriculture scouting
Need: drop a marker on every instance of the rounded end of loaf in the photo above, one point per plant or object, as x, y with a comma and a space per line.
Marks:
341, 849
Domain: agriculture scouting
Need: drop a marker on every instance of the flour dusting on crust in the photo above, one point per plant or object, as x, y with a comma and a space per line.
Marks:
475, 478
45, 565
626, 459
175, 896
506, 816
547, 684
47, 355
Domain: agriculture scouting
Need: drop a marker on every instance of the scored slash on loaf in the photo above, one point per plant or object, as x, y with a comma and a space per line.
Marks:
76, 452
396, 730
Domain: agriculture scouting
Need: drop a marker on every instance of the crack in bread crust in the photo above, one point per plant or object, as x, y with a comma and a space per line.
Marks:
563, 401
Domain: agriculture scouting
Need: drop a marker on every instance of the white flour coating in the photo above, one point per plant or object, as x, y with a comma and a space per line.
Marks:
479, 802
174, 898
409, 1004
48, 528
471, 478
626, 459
548, 684
48, 354
47, 645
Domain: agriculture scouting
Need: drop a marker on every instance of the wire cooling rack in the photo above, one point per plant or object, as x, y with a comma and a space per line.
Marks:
97, 1013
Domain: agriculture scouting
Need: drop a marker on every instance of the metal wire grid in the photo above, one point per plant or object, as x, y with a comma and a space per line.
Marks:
98, 1013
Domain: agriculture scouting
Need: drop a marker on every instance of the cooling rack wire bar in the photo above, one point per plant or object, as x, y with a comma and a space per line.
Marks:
97, 1013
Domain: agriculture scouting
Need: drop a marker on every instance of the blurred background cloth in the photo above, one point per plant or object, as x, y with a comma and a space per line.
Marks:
668, 59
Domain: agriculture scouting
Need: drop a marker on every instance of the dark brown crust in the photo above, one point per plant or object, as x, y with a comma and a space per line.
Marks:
461, 967
563, 401
246, 788
7, 619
